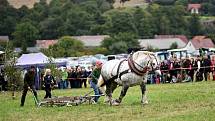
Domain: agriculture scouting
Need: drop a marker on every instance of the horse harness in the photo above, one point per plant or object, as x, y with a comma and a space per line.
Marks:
118, 75
132, 68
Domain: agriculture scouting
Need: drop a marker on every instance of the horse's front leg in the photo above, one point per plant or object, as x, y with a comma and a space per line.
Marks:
122, 95
144, 98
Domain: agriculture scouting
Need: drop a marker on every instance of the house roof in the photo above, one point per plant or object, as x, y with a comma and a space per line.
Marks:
194, 6
90, 41
45, 43
4, 38
162, 44
202, 42
182, 37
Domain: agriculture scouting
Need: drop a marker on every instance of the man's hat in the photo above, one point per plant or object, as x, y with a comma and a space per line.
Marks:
98, 62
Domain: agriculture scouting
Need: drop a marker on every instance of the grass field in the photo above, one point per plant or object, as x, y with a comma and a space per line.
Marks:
167, 102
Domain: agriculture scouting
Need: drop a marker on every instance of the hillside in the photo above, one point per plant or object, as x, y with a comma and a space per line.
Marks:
30, 3
131, 3
20, 3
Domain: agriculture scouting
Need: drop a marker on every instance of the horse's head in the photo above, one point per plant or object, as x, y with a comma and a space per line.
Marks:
146, 61
155, 65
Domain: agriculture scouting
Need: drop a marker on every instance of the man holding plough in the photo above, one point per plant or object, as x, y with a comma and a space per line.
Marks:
29, 81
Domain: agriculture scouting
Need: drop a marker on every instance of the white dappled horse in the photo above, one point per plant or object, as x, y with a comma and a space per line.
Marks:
126, 73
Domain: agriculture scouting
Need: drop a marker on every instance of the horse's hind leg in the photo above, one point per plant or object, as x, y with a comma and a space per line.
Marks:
108, 92
144, 98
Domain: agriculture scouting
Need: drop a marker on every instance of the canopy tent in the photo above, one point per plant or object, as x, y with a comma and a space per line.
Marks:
2, 52
39, 60
36, 59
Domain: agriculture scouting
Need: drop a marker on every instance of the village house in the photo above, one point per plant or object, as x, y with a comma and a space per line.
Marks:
4, 39
161, 44
45, 43
202, 42
196, 43
194, 8
91, 40
88, 41
182, 37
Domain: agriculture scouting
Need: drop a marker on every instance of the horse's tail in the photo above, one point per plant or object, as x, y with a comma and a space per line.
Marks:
101, 84
100, 81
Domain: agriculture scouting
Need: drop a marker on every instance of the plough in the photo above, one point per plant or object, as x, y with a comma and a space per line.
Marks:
66, 100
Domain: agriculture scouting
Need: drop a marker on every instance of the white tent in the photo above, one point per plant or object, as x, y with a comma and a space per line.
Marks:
32, 59
1, 52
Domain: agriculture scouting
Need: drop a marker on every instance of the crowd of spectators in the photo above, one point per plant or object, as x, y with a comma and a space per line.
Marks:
184, 70
74, 77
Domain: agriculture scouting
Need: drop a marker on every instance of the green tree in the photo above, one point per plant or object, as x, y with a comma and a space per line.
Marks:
80, 25
50, 28
164, 25
122, 22
110, 1
144, 23
146, 27
177, 20
8, 18
120, 43
182, 2
174, 45
165, 2
42, 8
11, 71
23, 12
118, 47
25, 34
205, 8
103, 5
73, 46
66, 47
195, 26
212, 36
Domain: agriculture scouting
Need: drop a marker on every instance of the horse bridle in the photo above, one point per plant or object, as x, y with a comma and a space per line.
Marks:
143, 70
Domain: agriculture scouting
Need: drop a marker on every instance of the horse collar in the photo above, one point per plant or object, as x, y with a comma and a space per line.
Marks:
134, 69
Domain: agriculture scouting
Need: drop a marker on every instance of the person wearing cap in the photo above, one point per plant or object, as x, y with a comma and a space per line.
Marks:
93, 82
49, 82
29, 81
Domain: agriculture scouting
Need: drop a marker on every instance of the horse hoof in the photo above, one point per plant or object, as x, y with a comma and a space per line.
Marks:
115, 103
145, 102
